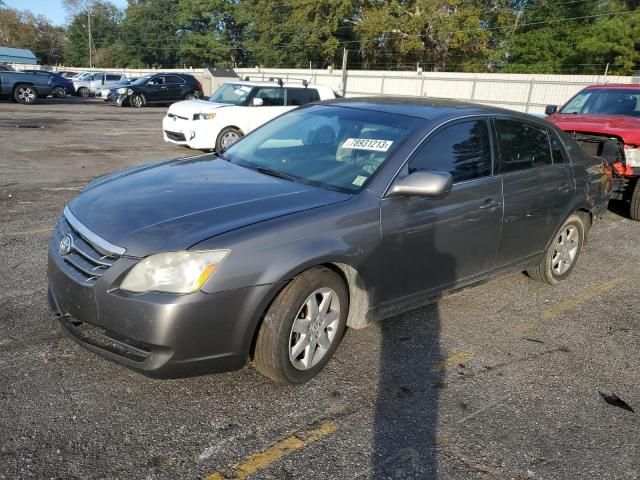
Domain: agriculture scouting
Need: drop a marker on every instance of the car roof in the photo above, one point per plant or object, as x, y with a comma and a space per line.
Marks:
297, 84
424, 107
615, 86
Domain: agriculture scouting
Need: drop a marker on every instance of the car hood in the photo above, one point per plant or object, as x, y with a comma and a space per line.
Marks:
174, 205
627, 128
187, 108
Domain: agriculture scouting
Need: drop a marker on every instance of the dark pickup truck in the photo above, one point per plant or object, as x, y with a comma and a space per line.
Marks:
24, 87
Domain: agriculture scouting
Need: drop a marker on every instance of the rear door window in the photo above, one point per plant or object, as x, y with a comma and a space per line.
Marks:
522, 146
271, 97
113, 78
301, 96
462, 149
174, 80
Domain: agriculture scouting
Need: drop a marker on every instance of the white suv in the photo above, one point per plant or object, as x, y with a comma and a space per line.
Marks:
234, 110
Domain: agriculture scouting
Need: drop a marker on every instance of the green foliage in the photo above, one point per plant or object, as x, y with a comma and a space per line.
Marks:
105, 26
529, 36
148, 34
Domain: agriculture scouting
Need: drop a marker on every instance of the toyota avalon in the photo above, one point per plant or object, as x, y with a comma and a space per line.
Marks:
334, 215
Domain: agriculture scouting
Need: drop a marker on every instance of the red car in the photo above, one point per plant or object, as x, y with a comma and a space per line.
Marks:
605, 120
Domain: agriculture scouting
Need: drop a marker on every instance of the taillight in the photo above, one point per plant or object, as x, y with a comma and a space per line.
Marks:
198, 86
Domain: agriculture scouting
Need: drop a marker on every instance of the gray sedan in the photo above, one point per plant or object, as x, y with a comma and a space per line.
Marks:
335, 215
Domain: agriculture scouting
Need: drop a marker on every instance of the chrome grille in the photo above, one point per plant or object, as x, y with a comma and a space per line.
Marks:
88, 261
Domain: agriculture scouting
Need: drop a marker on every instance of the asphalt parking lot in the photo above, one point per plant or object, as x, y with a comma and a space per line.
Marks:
499, 381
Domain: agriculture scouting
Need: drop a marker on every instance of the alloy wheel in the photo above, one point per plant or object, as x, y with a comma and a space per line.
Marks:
26, 94
565, 250
314, 328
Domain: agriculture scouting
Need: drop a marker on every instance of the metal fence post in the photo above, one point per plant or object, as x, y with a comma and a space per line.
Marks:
382, 85
473, 88
422, 88
529, 95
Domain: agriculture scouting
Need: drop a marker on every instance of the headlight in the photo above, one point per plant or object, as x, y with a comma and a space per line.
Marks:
122, 91
173, 272
204, 116
632, 157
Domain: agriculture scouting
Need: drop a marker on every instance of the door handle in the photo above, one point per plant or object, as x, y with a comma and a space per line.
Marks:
565, 187
490, 203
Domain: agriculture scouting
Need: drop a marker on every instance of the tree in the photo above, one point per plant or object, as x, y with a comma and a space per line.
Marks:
105, 24
205, 32
149, 33
613, 40
432, 32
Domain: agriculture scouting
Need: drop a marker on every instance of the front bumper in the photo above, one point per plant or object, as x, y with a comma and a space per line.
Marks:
196, 134
159, 335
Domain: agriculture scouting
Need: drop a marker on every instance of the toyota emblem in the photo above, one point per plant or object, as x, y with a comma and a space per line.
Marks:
66, 245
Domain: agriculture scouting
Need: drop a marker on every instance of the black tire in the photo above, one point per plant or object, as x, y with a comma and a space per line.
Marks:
84, 92
59, 92
137, 100
221, 146
274, 338
545, 272
191, 96
25, 94
634, 207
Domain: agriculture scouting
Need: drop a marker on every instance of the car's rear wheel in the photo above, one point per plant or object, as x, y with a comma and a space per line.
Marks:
563, 253
191, 96
25, 94
303, 327
634, 211
84, 92
137, 100
227, 137
59, 92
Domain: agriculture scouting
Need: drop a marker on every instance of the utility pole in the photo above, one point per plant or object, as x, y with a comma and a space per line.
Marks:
90, 42
345, 52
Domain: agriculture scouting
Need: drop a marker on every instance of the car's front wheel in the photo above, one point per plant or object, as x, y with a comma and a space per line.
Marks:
137, 100
303, 327
227, 137
563, 253
84, 92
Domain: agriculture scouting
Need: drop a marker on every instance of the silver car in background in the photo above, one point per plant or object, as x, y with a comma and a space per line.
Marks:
89, 84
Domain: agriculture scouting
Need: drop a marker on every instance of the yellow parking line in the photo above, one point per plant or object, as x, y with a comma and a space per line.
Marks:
455, 359
575, 301
261, 460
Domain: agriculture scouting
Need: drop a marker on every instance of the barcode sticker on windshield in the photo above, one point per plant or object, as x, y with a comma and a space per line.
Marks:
367, 144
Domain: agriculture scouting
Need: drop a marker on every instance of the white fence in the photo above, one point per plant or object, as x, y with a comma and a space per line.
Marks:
522, 92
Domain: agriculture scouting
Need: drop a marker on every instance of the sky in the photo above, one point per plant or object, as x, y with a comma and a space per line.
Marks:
53, 9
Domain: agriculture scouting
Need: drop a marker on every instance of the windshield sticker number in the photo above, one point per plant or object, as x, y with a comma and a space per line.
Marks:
359, 181
367, 144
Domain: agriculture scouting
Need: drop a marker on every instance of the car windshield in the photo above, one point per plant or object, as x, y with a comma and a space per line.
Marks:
83, 76
142, 80
327, 146
231, 93
605, 102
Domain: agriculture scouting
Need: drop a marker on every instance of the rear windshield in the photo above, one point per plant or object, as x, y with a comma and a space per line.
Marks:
605, 102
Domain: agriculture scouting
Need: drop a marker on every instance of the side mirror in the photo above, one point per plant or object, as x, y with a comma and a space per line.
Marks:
422, 184
550, 109
257, 102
